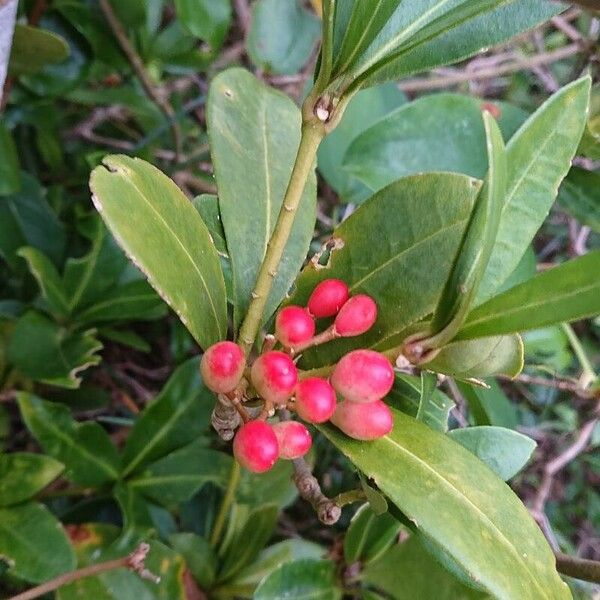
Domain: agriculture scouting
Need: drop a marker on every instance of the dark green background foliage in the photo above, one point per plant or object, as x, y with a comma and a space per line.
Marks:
447, 218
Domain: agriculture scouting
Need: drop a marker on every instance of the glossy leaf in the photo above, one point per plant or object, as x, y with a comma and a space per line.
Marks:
10, 177
274, 487
89, 456
455, 500
565, 293
254, 129
168, 241
33, 543
539, 156
504, 451
22, 475
207, 19
579, 195
176, 417
300, 579
199, 556
440, 132
421, 219
282, 36
34, 48
489, 406
480, 358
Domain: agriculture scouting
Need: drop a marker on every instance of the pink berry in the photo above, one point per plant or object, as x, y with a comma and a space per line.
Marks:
363, 421
315, 400
274, 376
222, 367
327, 298
293, 326
294, 439
356, 316
363, 376
255, 446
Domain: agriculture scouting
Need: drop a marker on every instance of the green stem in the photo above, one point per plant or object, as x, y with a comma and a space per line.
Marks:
589, 375
234, 479
350, 497
312, 134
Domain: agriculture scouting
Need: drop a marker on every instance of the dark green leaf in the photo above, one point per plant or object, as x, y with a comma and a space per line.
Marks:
168, 241
22, 475
565, 293
176, 417
199, 557
489, 406
254, 129
455, 500
282, 35
579, 195
504, 451
33, 543
34, 48
10, 178
85, 449
549, 347
135, 512
207, 19
275, 486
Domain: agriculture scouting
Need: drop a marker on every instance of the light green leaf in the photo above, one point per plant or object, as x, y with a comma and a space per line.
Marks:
539, 156
207, 19
568, 292
579, 195
590, 142
299, 580
167, 240
85, 449
10, 177
34, 48
282, 35
454, 499
22, 475
254, 129
504, 451
33, 543
176, 417
489, 406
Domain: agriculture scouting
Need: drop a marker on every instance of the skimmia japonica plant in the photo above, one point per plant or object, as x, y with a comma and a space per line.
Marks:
339, 344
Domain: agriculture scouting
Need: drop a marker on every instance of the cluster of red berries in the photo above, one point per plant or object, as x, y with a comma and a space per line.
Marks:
361, 378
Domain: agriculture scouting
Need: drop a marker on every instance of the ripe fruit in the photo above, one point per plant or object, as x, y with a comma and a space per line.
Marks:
363, 376
294, 439
293, 326
327, 298
274, 376
222, 367
356, 316
363, 421
255, 446
315, 400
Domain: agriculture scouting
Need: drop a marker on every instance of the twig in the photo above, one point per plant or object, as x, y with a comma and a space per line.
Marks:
138, 66
559, 384
133, 561
244, 16
580, 568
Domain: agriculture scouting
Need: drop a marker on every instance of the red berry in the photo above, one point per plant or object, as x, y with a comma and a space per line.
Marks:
363, 376
356, 316
315, 400
222, 367
293, 326
294, 439
255, 446
363, 421
274, 376
327, 298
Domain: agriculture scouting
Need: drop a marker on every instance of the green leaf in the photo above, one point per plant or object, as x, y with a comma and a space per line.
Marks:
539, 156
422, 219
167, 240
282, 36
489, 406
254, 129
47, 352
369, 535
176, 417
34, 48
476, 245
135, 512
504, 451
179, 475
274, 487
89, 456
10, 178
549, 347
416, 137
457, 502
480, 358
590, 142
365, 108
199, 556
299, 580
22, 475
568, 292
579, 195
406, 396
33, 543
207, 19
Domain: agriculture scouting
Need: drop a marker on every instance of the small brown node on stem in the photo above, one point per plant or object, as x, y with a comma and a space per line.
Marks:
225, 419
